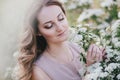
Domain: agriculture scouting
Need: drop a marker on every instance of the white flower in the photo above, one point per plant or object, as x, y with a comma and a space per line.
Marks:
72, 6
108, 49
72, 33
115, 25
79, 25
111, 67
108, 30
93, 67
88, 13
118, 58
103, 74
117, 52
118, 14
83, 69
107, 3
97, 39
114, 33
118, 76
98, 69
109, 55
83, 2
82, 29
103, 25
117, 44
91, 76
78, 38
102, 32
114, 40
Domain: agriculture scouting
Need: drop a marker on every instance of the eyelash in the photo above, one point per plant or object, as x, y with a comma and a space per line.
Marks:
49, 26
61, 19
52, 23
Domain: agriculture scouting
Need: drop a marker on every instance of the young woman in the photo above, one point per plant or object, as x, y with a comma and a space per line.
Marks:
45, 52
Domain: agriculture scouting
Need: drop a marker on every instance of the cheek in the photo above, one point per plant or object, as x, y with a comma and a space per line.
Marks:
47, 33
66, 25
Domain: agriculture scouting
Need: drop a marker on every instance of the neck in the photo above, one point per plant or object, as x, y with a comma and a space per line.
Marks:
57, 49
60, 52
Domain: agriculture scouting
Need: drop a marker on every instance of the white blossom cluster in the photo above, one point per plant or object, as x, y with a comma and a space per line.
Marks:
109, 37
108, 3
109, 68
119, 14
75, 3
90, 12
85, 2
115, 28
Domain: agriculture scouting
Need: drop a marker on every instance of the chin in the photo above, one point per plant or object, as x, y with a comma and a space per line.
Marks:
62, 39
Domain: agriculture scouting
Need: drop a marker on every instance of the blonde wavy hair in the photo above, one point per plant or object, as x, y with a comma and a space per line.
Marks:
32, 45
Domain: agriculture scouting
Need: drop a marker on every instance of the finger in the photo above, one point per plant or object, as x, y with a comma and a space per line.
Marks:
94, 51
97, 57
100, 54
90, 51
100, 57
103, 51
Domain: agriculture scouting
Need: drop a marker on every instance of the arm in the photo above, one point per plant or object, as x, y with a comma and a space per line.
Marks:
39, 74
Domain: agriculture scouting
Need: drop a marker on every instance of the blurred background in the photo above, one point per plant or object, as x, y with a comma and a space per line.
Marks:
12, 13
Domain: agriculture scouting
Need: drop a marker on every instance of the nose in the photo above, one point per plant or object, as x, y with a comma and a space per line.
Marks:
59, 27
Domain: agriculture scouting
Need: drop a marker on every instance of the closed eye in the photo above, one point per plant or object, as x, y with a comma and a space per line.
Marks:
60, 17
49, 25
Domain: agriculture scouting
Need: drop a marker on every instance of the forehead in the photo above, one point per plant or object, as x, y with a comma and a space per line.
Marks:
49, 13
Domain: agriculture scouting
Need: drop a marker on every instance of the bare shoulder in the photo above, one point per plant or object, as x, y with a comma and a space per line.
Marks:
39, 74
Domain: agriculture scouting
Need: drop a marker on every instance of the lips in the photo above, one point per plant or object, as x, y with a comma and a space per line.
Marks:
61, 33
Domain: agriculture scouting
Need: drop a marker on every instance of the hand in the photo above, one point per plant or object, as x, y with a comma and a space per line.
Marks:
94, 54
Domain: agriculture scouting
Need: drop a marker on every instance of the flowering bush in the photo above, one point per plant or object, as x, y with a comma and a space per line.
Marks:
109, 68
103, 29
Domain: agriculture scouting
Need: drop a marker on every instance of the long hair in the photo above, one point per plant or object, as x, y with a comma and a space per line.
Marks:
31, 44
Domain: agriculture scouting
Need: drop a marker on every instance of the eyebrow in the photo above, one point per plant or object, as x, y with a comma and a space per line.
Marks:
51, 21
